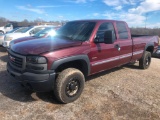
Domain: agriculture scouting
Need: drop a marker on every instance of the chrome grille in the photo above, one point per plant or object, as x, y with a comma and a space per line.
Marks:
16, 61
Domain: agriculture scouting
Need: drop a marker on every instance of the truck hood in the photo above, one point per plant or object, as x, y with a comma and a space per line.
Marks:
38, 46
24, 39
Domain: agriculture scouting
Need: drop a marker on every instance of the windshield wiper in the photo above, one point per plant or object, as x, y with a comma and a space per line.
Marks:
66, 37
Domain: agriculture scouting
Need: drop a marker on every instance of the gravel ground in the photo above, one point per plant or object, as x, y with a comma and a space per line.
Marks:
124, 93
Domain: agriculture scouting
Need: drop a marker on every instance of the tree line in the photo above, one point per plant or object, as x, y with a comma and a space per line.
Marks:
145, 31
25, 22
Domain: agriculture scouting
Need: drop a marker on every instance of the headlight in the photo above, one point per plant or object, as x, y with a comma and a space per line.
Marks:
36, 60
8, 38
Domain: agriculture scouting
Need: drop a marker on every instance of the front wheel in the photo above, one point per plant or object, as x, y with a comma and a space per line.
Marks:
145, 61
69, 85
1, 32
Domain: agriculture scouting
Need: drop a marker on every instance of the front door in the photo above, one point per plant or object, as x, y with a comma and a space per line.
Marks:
104, 56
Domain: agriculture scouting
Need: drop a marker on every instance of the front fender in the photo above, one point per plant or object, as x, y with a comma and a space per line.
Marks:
59, 62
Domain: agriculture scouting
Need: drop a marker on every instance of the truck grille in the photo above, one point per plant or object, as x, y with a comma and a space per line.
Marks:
16, 61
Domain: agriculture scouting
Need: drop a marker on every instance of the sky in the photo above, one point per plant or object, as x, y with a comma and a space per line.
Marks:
137, 13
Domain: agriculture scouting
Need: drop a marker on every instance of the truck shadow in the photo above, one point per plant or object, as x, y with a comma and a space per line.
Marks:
13, 90
2, 49
103, 73
132, 66
4, 58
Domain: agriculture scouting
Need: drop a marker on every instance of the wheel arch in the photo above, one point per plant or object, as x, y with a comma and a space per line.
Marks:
80, 62
150, 48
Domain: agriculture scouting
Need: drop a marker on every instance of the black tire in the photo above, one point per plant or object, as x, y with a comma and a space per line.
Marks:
1, 32
69, 85
145, 61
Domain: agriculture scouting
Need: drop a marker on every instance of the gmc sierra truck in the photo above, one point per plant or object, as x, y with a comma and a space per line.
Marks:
79, 49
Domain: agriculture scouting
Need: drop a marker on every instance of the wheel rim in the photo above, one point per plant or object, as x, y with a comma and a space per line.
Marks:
147, 61
72, 87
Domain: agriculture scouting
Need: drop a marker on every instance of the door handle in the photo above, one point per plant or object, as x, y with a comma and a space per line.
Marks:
118, 47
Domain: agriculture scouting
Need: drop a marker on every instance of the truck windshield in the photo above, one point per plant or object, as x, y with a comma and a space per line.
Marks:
78, 30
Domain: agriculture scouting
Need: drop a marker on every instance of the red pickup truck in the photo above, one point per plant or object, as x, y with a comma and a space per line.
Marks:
79, 49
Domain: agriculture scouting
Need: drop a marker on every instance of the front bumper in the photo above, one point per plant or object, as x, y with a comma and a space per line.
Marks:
37, 82
6, 44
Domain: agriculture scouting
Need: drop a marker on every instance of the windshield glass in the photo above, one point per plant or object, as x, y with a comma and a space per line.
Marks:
26, 29
43, 32
13, 30
78, 30
8, 25
20, 29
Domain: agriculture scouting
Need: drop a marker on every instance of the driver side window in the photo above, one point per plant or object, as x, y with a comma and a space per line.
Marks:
102, 29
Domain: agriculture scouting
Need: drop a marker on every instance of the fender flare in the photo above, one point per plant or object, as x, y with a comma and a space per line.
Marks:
149, 45
59, 62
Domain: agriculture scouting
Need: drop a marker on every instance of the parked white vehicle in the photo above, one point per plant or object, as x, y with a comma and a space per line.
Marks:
6, 28
30, 31
16, 30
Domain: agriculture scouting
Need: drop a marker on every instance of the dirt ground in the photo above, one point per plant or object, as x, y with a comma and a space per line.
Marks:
124, 93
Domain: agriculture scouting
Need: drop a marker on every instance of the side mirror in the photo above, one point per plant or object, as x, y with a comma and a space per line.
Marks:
109, 37
31, 33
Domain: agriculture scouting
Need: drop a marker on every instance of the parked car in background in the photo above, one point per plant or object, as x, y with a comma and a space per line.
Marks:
6, 28
49, 31
30, 31
16, 30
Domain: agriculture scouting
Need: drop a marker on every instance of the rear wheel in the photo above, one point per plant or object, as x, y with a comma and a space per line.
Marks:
69, 85
145, 61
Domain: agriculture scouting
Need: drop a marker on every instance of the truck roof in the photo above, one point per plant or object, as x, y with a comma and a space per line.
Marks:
97, 20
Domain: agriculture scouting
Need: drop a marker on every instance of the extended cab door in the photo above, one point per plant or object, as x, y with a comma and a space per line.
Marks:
104, 56
124, 42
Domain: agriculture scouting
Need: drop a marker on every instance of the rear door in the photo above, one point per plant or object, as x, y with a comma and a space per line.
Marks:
124, 42
104, 56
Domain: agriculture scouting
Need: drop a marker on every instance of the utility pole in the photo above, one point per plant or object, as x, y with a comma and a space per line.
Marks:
146, 20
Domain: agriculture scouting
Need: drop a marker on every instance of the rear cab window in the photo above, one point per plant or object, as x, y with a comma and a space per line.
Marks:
122, 30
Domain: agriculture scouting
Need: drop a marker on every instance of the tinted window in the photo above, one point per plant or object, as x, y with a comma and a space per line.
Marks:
122, 30
103, 28
79, 30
